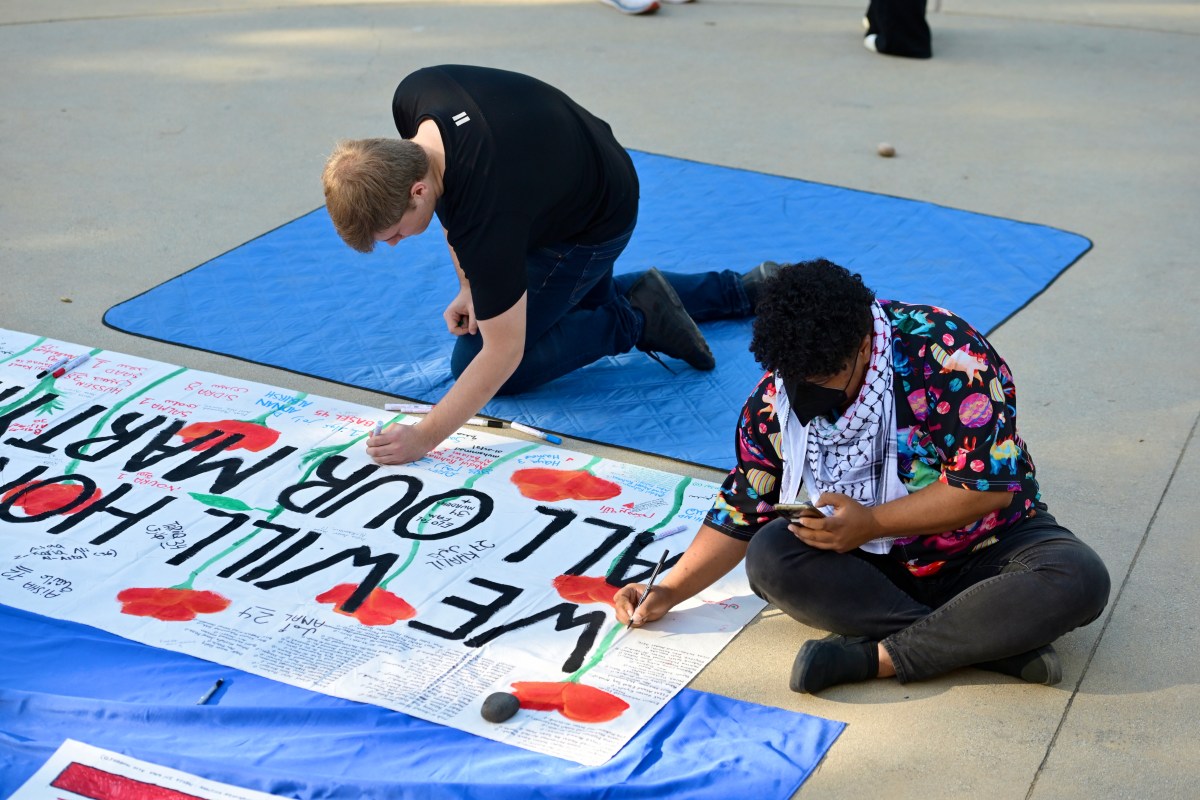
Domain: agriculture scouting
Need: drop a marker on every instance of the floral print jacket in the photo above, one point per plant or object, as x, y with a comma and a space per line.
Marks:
956, 420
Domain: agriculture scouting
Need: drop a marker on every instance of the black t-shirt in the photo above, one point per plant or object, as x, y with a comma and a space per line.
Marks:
526, 167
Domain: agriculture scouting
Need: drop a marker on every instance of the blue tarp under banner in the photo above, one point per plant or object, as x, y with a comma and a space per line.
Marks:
299, 299
61, 680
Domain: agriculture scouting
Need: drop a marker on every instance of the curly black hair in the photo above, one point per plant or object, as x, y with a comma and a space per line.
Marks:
811, 317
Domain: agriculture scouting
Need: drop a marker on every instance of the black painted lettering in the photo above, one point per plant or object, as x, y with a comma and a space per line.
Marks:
38, 444
285, 532
564, 618
20, 411
482, 511
28, 476
327, 484
236, 520
612, 540
481, 612
229, 471
122, 436
631, 560
559, 519
25, 492
359, 557
282, 557
414, 485
105, 506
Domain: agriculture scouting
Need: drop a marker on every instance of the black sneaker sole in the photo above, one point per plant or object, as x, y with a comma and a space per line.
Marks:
695, 351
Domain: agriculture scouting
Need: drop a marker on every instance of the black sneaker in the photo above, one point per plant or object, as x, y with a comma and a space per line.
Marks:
753, 281
834, 660
668, 329
1036, 666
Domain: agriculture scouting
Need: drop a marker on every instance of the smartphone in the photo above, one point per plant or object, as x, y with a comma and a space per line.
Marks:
795, 511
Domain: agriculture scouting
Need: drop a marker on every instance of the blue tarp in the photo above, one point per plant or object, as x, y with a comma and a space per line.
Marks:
299, 299
62, 680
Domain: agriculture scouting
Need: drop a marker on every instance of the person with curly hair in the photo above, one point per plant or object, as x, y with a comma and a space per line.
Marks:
538, 200
929, 547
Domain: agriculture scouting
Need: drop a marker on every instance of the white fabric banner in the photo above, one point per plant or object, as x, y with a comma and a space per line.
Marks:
244, 524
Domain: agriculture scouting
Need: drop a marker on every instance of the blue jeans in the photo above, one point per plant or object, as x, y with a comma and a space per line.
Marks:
577, 311
1019, 594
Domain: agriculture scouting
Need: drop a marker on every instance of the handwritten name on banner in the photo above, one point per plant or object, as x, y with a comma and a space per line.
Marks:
244, 523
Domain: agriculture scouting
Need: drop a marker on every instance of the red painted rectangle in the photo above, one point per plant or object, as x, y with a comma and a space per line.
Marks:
100, 785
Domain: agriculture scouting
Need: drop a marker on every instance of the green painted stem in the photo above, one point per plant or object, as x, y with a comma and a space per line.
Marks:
187, 584
679, 490
597, 656
100, 423
36, 343
520, 451
412, 554
270, 515
42, 385
602, 650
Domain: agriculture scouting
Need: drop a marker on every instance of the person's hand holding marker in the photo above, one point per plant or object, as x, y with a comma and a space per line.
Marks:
660, 600
396, 444
636, 604
711, 555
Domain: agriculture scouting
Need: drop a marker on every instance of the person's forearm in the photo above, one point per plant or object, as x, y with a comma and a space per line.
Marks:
934, 509
477, 384
709, 558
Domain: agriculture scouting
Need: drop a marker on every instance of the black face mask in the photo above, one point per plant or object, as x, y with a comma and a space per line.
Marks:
810, 401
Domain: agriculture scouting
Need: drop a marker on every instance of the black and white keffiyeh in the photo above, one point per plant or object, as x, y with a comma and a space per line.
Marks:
856, 454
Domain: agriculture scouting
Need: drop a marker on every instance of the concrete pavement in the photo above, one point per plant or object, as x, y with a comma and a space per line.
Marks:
145, 137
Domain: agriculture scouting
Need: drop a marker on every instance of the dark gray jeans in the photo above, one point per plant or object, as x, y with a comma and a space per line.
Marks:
1021, 593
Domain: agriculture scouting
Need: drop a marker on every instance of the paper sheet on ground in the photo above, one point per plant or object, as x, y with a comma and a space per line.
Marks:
80, 770
240, 522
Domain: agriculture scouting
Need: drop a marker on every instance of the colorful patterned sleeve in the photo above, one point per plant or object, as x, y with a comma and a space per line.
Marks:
972, 409
747, 497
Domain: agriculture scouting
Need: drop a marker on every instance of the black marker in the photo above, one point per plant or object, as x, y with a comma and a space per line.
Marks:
53, 367
649, 585
70, 365
209, 694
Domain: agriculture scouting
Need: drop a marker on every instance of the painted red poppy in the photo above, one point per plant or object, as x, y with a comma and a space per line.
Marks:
255, 437
380, 608
50, 497
585, 589
551, 485
573, 700
170, 605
